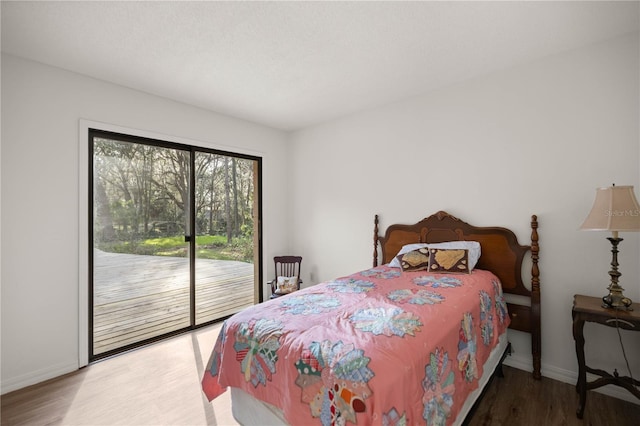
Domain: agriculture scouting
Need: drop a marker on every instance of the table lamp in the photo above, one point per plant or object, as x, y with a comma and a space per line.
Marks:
615, 209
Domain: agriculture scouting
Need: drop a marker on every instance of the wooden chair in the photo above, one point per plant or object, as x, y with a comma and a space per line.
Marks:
285, 266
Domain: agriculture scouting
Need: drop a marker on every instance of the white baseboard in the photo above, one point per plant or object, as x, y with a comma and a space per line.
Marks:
37, 376
525, 363
520, 362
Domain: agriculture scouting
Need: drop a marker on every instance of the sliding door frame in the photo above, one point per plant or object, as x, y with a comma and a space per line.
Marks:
87, 130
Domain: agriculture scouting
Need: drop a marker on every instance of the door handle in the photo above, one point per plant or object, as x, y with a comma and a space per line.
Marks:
187, 238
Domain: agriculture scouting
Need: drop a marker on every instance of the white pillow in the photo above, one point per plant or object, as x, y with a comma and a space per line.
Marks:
286, 285
395, 262
472, 246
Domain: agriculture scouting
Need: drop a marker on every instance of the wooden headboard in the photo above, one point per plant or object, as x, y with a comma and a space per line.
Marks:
500, 254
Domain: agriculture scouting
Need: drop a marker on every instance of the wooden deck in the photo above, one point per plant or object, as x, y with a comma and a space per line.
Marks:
139, 297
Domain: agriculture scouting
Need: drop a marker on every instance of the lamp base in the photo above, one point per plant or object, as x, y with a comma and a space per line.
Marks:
617, 301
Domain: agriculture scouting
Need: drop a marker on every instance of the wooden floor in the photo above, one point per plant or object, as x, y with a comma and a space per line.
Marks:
139, 297
160, 385
518, 399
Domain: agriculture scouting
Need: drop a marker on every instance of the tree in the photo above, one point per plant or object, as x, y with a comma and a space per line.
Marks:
227, 202
137, 186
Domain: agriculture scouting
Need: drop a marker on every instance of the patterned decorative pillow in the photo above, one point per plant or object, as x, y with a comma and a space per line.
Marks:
415, 260
286, 285
449, 260
396, 261
472, 246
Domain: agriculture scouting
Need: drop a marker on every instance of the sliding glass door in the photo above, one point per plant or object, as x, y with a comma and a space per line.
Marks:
226, 203
174, 241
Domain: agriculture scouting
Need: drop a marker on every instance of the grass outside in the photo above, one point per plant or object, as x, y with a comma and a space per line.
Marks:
207, 247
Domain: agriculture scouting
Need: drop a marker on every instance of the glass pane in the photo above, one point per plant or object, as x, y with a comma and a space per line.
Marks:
225, 239
140, 258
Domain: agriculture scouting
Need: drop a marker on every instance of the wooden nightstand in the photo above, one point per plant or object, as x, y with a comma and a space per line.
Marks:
586, 308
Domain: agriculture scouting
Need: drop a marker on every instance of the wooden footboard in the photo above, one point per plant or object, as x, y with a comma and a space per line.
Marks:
501, 254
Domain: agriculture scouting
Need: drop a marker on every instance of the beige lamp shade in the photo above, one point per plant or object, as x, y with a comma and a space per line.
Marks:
615, 209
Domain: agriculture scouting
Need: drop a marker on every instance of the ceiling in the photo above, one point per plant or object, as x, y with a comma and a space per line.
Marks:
291, 65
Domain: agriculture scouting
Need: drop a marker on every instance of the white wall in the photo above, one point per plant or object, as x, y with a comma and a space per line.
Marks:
41, 110
536, 139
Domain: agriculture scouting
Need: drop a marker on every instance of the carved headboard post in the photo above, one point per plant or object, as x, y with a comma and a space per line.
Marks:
535, 300
375, 241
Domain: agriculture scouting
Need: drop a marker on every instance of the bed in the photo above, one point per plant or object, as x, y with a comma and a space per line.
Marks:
407, 341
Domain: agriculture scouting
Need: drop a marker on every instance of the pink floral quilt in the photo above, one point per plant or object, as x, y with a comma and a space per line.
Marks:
380, 346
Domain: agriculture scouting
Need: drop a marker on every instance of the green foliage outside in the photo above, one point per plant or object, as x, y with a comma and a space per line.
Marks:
207, 247
141, 194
